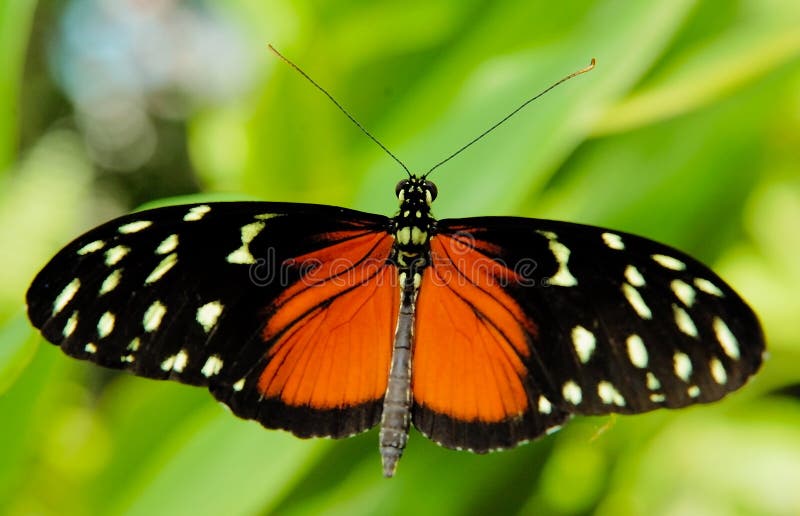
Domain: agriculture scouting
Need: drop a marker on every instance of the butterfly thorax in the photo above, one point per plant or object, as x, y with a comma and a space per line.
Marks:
414, 224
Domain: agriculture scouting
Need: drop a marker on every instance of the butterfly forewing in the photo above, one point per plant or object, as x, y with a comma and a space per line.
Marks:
187, 293
614, 322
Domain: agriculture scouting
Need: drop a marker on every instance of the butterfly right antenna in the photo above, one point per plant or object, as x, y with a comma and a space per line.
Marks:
500, 122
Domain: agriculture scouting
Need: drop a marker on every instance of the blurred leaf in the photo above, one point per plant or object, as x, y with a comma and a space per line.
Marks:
142, 417
15, 24
219, 147
217, 465
580, 465
743, 463
768, 271
761, 42
22, 407
18, 344
677, 181
40, 210
465, 483
386, 24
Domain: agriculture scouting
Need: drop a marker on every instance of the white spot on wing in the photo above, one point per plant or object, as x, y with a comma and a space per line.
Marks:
111, 282
115, 254
726, 339
208, 314
562, 277
718, 371
693, 391
66, 295
584, 342
609, 394
162, 268
652, 382
153, 316
633, 276
133, 227
196, 213
181, 359
657, 398
212, 366
683, 366
553, 429
238, 386
134, 345
669, 262
105, 325
613, 241
167, 364
90, 348
636, 301
684, 322
242, 255
250, 231
168, 245
544, 405
91, 247
683, 291
707, 287
637, 353
572, 393
70, 325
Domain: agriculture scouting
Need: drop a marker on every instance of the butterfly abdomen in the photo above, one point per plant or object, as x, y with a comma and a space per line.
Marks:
398, 400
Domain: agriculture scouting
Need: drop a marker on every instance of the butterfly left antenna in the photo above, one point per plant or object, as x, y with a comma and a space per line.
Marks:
342, 109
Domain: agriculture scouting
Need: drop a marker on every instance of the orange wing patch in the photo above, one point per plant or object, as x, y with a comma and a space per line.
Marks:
471, 338
332, 329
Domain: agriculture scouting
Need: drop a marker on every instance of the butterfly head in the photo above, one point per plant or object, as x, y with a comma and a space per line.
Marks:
416, 192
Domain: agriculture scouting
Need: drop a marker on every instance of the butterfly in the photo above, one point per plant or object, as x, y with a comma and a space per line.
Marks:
483, 333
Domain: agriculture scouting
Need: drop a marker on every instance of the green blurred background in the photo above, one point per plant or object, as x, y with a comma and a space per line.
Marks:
688, 132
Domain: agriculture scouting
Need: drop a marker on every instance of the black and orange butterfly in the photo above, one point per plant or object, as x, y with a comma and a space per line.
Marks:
482, 332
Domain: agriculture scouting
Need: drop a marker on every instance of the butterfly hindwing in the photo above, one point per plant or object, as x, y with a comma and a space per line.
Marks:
198, 294
578, 319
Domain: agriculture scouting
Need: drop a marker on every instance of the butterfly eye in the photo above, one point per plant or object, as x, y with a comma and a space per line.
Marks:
432, 189
400, 187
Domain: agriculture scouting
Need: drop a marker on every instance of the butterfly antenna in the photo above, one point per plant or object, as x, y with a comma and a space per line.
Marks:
342, 109
501, 121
